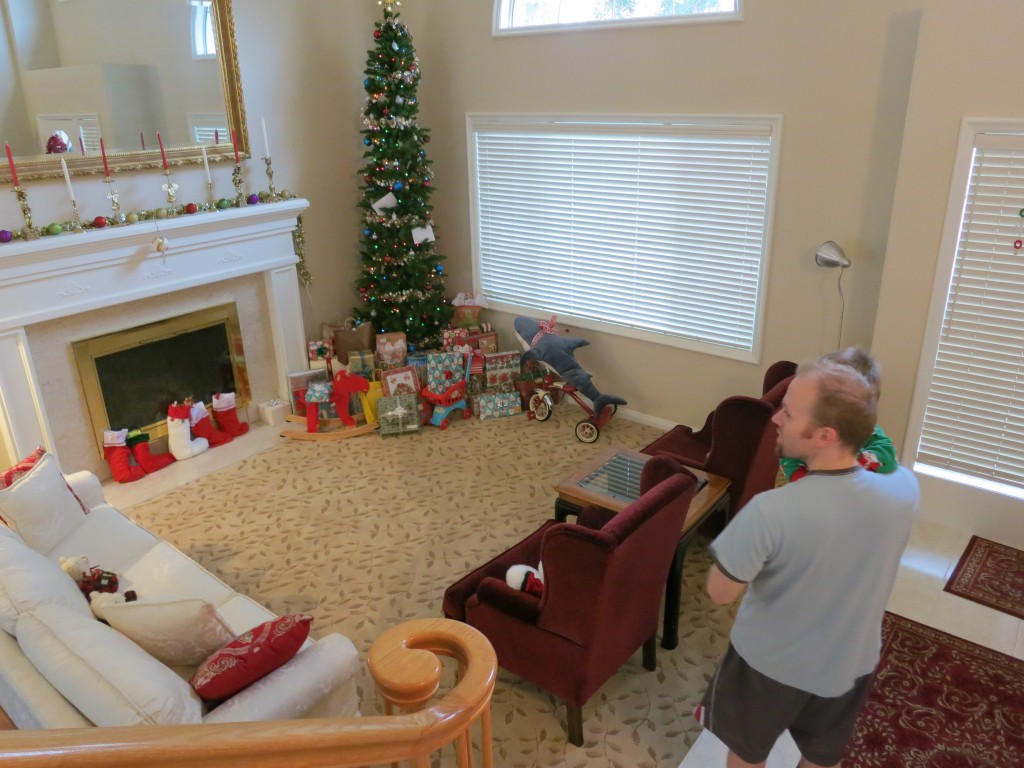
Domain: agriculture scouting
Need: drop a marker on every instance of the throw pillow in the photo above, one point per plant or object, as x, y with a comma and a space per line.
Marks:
104, 674
250, 656
10, 476
180, 633
28, 580
39, 507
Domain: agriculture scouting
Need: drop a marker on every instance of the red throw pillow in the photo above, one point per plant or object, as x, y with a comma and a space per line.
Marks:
250, 656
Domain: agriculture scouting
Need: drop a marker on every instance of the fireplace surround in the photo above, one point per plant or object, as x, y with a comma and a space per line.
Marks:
58, 290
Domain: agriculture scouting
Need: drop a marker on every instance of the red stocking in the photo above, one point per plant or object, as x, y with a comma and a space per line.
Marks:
202, 426
139, 444
226, 415
119, 457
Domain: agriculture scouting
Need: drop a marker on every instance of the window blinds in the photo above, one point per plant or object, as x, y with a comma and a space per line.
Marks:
649, 226
974, 416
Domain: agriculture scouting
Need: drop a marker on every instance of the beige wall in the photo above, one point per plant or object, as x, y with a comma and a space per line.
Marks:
838, 73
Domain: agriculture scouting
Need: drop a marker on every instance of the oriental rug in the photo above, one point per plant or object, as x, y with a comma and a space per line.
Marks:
992, 574
939, 702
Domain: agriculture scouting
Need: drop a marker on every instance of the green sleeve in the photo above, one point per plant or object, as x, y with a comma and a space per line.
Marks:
883, 449
789, 466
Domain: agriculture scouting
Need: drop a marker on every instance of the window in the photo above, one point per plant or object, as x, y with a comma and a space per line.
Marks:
204, 41
649, 228
209, 127
512, 16
972, 392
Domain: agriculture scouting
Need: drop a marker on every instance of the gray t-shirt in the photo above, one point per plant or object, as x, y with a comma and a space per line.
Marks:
820, 557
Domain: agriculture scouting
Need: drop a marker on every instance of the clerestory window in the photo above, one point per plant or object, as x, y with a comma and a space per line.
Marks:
512, 16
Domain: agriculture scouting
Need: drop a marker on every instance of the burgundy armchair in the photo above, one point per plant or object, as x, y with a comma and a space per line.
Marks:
603, 581
737, 440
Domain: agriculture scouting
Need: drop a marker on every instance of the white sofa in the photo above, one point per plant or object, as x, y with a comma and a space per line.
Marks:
46, 635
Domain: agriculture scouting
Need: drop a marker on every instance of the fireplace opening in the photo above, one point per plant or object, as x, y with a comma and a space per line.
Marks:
130, 377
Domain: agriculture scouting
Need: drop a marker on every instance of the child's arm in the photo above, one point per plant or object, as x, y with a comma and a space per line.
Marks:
878, 453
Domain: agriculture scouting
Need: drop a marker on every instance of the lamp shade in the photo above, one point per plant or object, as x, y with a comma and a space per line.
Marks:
829, 254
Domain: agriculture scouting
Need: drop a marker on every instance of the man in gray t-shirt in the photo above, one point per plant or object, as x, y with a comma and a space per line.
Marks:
818, 560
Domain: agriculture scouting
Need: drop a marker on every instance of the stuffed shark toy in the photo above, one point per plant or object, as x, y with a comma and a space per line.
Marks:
542, 342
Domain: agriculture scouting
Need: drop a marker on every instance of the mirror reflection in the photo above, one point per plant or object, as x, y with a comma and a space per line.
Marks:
72, 71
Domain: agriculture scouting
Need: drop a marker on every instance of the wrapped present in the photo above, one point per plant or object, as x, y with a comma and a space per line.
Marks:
368, 400
418, 360
501, 370
452, 337
349, 337
493, 405
361, 363
476, 385
298, 383
398, 414
322, 393
320, 349
466, 315
485, 342
444, 370
391, 349
475, 361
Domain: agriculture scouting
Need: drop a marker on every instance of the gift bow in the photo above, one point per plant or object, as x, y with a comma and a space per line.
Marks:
545, 327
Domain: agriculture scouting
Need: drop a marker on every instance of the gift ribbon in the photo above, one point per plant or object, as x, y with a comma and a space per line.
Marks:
545, 327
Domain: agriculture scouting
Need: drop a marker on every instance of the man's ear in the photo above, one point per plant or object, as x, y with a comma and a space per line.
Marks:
827, 437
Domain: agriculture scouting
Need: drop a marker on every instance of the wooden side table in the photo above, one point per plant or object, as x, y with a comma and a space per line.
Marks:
611, 480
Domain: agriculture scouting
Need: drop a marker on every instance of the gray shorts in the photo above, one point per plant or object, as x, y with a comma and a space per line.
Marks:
749, 711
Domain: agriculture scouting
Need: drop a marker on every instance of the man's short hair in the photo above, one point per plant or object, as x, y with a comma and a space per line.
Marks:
862, 362
845, 401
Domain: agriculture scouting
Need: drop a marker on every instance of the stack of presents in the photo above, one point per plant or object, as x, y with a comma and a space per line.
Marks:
410, 389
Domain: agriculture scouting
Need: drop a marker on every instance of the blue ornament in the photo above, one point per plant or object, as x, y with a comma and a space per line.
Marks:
412, 347
366, 83
398, 185
366, 233
366, 141
440, 269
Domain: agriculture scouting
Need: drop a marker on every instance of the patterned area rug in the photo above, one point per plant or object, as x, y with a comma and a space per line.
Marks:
940, 702
368, 532
991, 574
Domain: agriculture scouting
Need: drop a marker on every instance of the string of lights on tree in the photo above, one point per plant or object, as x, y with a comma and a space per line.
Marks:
401, 285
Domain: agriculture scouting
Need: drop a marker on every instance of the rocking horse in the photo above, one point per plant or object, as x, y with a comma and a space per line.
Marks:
338, 392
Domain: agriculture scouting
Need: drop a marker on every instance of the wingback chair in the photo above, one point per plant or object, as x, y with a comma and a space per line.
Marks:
603, 580
737, 440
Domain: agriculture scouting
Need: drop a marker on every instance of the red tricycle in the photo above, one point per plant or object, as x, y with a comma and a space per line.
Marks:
542, 403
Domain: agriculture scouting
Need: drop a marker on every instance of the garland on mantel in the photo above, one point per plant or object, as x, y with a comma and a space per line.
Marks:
165, 212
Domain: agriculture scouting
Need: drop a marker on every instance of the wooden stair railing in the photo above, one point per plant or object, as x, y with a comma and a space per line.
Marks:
404, 664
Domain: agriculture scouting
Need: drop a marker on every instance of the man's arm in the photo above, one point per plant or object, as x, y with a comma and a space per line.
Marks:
721, 589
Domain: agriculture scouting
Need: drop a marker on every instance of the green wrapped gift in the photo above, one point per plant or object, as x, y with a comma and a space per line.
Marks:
398, 414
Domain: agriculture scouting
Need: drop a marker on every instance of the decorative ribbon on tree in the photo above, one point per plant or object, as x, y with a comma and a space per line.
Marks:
401, 287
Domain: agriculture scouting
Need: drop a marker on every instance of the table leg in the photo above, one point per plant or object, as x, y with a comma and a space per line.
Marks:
565, 508
673, 594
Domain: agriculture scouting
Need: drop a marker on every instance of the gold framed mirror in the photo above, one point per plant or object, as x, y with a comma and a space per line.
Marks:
120, 70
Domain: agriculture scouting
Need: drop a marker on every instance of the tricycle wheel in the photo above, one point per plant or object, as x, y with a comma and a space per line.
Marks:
443, 424
587, 431
540, 406
466, 413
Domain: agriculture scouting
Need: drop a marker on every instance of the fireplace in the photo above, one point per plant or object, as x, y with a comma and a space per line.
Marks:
55, 291
131, 376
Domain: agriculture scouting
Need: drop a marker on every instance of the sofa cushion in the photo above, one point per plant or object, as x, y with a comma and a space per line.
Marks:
40, 507
28, 580
177, 632
165, 573
108, 538
250, 656
104, 674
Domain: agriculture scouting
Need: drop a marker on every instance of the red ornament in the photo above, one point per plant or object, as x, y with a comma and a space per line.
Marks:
377, 34
387, 258
367, 178
191, 208
99, 222
426, 138
426, 182
385, 111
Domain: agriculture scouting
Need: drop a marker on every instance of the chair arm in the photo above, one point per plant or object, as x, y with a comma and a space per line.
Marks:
521, 605
704, 435
87, 487
575, 559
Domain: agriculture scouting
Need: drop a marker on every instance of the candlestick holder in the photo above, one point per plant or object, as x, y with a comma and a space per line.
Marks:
115, 206
271, 192
29, 232
171, 189
76, 218
236, 179
209, 195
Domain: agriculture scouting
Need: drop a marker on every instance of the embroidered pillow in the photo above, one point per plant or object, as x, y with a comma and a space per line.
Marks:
39, 506
180, 633
250, 656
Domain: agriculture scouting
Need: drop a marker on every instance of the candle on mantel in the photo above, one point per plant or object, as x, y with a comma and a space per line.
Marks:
142, 140
216, 136
163, 156
67, 179
206, 164
103, 152
266, 144
234, 144
10, 163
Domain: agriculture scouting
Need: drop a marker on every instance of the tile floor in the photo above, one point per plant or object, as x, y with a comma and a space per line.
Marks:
927, 564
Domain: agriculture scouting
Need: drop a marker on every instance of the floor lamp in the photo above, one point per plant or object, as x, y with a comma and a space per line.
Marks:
829, 254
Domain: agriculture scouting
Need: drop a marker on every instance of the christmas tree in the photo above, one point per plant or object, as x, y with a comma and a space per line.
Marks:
401, 287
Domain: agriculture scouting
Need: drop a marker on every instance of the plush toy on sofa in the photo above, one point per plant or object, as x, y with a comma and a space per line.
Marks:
98, 586
526, 578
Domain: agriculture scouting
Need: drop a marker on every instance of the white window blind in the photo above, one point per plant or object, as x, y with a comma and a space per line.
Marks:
547, 15
655, 227
974, 416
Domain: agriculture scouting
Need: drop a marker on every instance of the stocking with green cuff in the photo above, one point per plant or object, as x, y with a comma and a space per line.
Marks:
119, 457
138, 442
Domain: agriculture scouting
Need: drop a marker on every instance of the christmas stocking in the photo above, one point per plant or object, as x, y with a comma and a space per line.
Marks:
138, 442
119, 457
226, 415
202, 426
179, 435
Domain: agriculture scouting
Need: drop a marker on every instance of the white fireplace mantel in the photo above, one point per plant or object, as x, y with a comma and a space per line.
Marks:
60, 276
